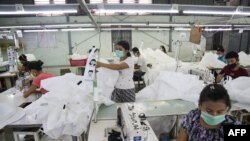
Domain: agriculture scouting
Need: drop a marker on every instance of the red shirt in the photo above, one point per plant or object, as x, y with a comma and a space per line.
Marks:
37, 80
227, 71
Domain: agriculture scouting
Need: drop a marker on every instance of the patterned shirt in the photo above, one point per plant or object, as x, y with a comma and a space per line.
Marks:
191, 125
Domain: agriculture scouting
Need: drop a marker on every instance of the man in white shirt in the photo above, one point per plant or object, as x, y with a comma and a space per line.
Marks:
140, 66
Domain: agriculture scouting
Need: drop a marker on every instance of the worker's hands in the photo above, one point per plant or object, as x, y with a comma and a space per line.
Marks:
98, 64
219, 77
25, 94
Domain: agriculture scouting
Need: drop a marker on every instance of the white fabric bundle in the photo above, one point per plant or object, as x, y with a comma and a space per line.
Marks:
77, 56
172, 85
210, 60
244, 59
67, 108
239, 89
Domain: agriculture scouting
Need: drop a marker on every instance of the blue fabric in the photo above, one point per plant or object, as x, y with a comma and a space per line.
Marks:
223, 59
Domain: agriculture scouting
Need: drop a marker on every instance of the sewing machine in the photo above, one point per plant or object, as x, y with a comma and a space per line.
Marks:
204, 75
133, 124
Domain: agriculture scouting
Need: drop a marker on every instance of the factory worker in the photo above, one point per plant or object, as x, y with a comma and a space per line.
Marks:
124, 89
163, 49
221, 53
140, 66
39, 75
23, 68
206, 122
233, 69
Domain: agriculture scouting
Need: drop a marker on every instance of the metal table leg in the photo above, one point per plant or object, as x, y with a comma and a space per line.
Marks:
8, 134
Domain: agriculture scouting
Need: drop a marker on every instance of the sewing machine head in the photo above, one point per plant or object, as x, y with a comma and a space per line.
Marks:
134, 125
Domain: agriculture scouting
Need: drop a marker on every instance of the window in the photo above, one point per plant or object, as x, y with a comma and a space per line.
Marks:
41, 2
118, 35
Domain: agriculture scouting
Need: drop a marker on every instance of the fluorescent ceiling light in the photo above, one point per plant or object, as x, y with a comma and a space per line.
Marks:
109, 29
241, 25
124, 24
78, 29
182, 29
218, 29
216, 12
153, 29
169, 25
67, 25
214, 25
5, 31
45, 30
37, 12
102, 11
21, 26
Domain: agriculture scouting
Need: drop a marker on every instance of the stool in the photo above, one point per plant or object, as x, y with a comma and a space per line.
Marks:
139, 81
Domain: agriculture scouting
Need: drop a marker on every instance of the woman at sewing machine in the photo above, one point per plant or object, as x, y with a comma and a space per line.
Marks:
38, 75
124, 89
205, 123
23, 68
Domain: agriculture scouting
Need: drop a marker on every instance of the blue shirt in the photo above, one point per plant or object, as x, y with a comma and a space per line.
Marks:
222, 58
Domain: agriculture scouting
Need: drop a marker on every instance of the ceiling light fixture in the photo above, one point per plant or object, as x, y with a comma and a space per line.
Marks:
169, 24
78, 29
216, 12
218, 29
37, 12
153, 29
44, 30
124, 24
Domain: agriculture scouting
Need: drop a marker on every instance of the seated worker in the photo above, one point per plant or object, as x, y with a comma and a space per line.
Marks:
140, 65
233, 68
206, 122
124, 89
163, 49
221, 53
39, 75
24, 64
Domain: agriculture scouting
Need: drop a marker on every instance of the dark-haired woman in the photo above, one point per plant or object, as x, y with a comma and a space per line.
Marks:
24, 64
206, 122
124, 89
39, 75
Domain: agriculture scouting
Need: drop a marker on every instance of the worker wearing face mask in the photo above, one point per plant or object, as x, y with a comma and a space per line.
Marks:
233, 69
140, 65
220, 52
38, 75
124, 89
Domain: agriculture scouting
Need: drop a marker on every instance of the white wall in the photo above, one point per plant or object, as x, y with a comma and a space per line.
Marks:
146, 39
85, 41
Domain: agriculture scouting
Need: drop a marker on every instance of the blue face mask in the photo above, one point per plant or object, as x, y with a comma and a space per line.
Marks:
119, 53
212, 120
